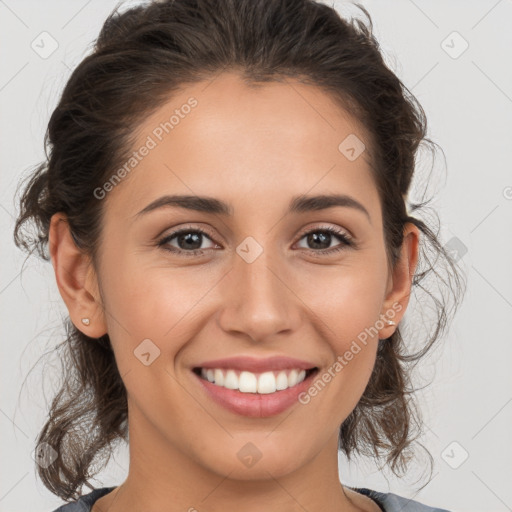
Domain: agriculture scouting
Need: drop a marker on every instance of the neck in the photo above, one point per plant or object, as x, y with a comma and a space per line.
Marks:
165, 477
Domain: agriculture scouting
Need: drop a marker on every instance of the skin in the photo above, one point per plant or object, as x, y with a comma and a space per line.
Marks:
254, 149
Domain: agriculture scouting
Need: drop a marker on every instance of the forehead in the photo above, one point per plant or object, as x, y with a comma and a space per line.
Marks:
222, 137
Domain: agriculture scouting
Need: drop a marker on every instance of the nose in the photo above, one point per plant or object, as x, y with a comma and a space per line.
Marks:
258, 300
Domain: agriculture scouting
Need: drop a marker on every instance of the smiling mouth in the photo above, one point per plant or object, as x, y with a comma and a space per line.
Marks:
249, 382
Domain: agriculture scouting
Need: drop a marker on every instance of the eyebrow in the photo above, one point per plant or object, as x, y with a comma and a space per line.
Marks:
298, 204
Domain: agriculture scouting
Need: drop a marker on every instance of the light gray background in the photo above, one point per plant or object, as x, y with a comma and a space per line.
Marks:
468, 101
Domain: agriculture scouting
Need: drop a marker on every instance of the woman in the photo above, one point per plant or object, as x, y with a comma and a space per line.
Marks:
270, 137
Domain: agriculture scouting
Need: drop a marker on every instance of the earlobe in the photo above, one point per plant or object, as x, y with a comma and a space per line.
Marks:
72, 269
398, 296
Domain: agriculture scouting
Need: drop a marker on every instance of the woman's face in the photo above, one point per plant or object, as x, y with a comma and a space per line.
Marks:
269, 280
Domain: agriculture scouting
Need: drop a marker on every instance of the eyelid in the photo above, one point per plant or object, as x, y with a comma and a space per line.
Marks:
187, 227
326, 227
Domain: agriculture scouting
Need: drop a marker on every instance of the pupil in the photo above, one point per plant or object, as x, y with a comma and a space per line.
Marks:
191, 238
320, 237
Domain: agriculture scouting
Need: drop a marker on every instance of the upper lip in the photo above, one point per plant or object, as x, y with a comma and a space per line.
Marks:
257, 365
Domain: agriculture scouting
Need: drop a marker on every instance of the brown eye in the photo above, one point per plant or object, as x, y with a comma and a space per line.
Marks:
189, 242
319, 240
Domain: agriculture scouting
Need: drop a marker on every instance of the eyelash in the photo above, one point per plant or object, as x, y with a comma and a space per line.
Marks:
346, 240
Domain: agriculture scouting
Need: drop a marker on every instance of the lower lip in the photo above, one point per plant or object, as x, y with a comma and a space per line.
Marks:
255, 405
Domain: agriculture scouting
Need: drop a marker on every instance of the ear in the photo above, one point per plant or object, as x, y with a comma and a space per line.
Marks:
400, 281
76, 279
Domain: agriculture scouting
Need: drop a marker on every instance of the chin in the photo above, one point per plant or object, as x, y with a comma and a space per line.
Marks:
255, 461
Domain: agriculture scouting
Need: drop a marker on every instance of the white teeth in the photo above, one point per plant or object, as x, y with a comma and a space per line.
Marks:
282, 381
217, 376
248, 382
266, 383
293, 378
231, 380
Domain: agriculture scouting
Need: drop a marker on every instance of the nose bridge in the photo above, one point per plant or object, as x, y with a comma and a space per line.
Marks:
258, 301
258, 279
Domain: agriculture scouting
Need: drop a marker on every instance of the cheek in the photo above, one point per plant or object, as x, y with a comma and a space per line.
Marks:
151, 302
347, 298
150, 318
347, 303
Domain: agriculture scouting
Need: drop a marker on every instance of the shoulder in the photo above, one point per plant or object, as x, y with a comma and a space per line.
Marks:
85, 502
390, 502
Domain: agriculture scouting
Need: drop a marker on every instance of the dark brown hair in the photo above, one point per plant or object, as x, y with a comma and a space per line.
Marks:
140, 58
